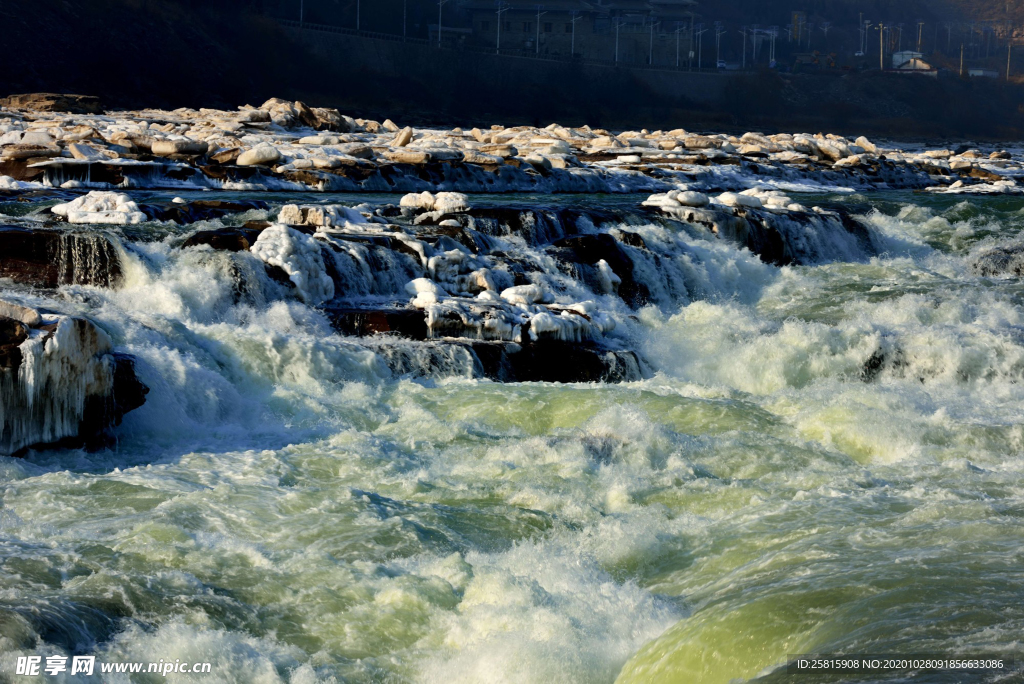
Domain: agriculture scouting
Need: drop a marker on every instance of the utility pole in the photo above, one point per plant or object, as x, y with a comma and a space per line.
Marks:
539, 15
302, 11
502, 8
575, 18
920, 34
744, 32
618, 25
718, 42
405, 19
440, 5
679, 29
825, 26
689, 61
650, 57
961, 60
1009, 52
357, 14
700, 47
881, 47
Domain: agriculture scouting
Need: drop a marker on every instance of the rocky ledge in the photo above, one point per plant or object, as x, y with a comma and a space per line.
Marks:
289, 145
432, 284
61, 383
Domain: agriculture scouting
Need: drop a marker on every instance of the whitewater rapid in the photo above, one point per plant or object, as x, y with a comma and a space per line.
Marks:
823, 457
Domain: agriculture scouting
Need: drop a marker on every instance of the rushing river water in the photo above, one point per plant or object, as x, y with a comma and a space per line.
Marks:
828, 458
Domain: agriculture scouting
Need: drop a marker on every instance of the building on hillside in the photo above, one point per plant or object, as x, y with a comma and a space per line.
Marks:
908, 60
983, 73
629, 31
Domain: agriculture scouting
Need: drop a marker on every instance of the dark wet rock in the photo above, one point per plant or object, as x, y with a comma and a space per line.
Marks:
407, 323
984, 175
1002, 260
12, 334
629, 238
226, 239
556, 361
226, 156
103, 412
581, 254
200, 210
50, 258
890, 359
800, 238
19, 170
412, 351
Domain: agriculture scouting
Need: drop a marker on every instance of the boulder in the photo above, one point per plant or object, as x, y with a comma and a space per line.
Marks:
169, 148
260, 155
732, 199
408, 156
13, 334
357, 150
331, 120
28, 151
227, 155
320, 140
403, 138
37, 138
85, 152
503, 151
22, 314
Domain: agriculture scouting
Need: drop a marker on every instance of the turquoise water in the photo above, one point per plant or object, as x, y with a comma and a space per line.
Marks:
286, 509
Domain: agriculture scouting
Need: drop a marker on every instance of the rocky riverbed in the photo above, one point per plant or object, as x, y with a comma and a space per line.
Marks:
282, 145
429, 282
317, 399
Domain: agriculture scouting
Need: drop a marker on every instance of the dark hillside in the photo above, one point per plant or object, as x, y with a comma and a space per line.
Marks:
223, 53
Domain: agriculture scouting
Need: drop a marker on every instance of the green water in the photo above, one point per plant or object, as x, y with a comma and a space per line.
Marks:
285, 510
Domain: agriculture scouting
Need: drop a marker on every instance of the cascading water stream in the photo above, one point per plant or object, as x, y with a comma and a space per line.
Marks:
823, 452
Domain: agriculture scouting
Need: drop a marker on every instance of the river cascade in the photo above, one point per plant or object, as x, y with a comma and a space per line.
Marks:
609, 416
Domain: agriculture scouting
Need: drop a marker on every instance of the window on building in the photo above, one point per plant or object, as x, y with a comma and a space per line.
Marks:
548, 27
602, 26
506, 25
568, 27
485, 26
527, 26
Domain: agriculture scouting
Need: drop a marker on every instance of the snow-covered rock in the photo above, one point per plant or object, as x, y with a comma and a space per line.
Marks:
732, 199
300, 257
259, 155
100, 207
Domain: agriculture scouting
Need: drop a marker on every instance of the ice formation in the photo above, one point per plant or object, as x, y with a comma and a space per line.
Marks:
300, 257
101, 207
64, 368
